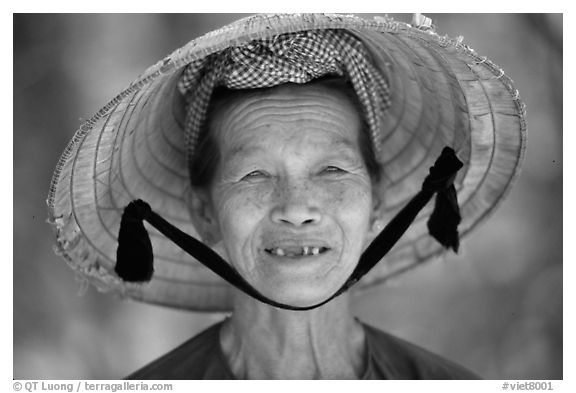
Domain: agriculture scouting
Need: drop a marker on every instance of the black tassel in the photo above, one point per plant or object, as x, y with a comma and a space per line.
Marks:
134, 256
444, 220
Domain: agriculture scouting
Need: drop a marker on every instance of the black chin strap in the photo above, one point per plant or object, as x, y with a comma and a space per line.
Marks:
134, 257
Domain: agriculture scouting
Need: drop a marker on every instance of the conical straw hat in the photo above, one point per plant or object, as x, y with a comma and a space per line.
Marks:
443, 94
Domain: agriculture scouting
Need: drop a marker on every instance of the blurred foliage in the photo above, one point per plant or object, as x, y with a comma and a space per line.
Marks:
495, 308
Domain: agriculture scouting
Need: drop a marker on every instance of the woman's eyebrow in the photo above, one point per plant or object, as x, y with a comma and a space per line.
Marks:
236, 157
243, 152
344, 148
247, 149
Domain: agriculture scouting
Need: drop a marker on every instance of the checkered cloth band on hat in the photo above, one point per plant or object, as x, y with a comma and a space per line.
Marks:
293, 57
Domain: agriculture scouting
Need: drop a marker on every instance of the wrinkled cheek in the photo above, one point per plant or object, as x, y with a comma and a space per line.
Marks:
352, 204
238, 217
348, 199
235, 205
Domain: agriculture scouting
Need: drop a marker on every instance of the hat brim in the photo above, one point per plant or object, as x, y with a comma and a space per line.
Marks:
443, 94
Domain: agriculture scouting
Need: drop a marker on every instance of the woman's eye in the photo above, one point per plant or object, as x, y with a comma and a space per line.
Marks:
332, 169
255, 175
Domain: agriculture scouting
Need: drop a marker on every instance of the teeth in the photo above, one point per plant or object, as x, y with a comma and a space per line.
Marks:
305, 251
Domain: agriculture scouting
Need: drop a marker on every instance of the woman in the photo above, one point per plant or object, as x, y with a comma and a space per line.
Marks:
308, 140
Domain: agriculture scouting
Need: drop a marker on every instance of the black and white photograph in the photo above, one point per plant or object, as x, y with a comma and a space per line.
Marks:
295, 196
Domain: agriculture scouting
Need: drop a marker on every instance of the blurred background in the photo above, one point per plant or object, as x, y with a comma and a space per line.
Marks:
496, 308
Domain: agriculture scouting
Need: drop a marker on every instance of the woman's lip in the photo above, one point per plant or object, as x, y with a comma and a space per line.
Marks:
295, 258
295, 246
292, 243
294, 252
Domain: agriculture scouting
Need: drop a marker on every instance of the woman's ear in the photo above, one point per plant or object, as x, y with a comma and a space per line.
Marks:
375, 225
203, 215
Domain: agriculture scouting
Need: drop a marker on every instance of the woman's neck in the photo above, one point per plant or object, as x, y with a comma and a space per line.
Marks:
263, 342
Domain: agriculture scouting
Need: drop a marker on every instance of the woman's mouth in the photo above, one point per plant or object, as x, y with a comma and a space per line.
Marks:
296, 251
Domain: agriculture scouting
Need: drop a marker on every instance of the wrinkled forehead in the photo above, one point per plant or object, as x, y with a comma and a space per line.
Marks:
319, 113
321, 88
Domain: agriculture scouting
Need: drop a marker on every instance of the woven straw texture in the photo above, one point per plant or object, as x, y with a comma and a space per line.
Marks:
443, 94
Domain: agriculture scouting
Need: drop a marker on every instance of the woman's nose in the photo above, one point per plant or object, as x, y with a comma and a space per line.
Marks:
296, 205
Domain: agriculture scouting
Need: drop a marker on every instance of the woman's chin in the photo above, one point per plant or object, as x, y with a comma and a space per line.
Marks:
298, 284
299, 295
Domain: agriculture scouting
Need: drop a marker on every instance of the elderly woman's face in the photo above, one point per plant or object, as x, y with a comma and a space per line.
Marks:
291, 198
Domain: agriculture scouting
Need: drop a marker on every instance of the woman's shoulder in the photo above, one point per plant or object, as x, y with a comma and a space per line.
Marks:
391, 357
198, 358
